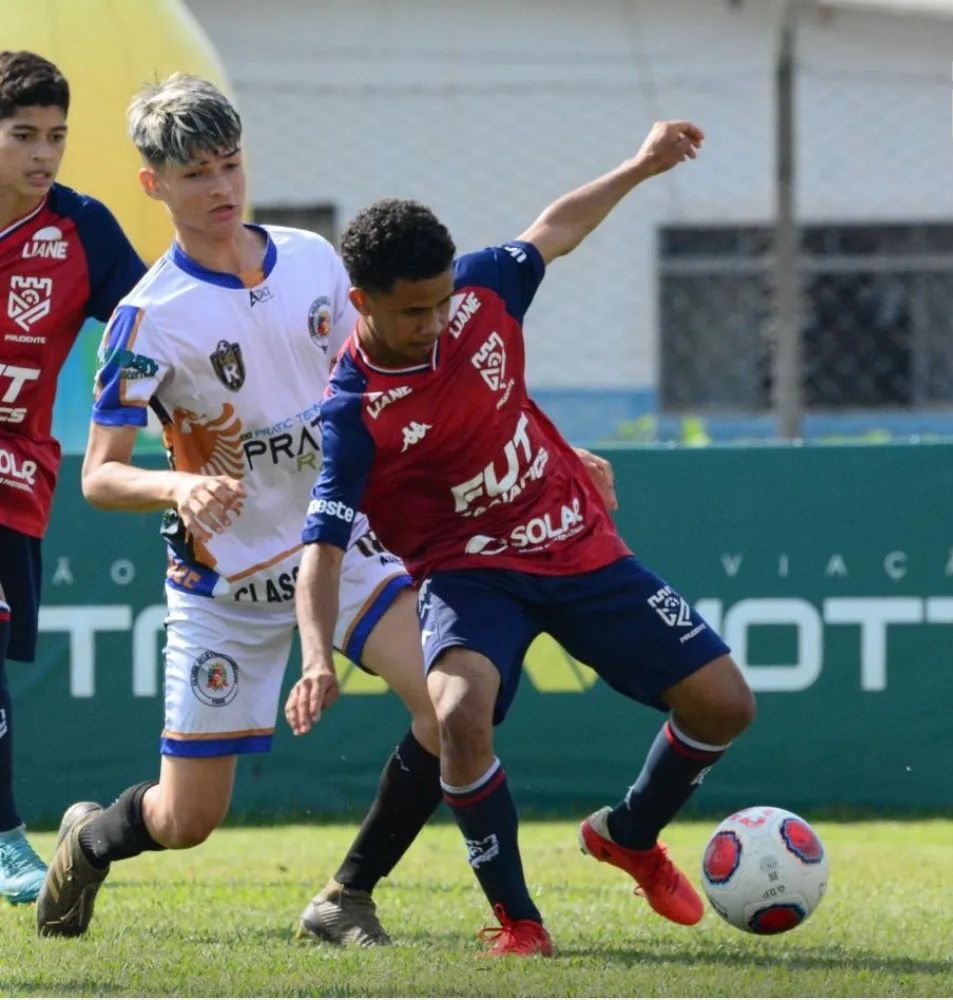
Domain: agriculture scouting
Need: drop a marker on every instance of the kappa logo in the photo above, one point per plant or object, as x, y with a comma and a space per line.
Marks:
47, 242
29, 300
672, 609
479, 852
414, 433
228, 364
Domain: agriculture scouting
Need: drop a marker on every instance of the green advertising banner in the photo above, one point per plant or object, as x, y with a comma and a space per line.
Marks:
829, 570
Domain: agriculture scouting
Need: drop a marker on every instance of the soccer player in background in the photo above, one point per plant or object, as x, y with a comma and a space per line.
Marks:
507, 537
63, 259
229, 339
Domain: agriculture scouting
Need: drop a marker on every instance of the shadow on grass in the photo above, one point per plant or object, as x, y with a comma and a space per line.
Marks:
802, 958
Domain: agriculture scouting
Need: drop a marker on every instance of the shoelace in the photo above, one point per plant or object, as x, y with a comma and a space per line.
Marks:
504, 931
662, 872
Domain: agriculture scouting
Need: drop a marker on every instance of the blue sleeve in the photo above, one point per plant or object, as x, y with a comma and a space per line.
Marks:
114, 266
513, 271
125, 379
348, 453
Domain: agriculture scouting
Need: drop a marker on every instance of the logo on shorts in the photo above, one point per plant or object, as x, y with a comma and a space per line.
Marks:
672, 609
319, 322
215, 679
229, 365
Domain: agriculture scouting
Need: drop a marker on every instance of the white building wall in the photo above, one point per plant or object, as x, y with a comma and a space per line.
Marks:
488, 110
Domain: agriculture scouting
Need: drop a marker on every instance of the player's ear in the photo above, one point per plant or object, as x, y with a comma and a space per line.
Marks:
358, 299
149, 181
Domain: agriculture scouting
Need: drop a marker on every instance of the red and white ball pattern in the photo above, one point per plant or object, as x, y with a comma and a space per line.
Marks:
764, 870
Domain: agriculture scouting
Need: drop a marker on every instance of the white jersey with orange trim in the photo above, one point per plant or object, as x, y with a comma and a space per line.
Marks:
234, 366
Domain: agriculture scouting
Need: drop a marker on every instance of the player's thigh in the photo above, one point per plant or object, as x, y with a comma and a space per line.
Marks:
393, 652
224, 664
372, 582
635, 630
486, 612
20, 576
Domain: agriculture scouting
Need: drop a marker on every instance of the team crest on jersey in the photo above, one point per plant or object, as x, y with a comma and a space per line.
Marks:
214, 679
228, 364
319, 322
29, 300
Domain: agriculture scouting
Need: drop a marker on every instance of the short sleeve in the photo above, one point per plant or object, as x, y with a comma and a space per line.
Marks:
114, 266
514, 271
129, 373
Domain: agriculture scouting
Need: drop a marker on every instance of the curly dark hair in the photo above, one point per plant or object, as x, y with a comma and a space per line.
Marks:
395, 240
28, 80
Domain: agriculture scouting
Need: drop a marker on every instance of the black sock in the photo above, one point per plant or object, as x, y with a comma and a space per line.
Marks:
118, 832
486, 815
673, 769
407, 795
9, 818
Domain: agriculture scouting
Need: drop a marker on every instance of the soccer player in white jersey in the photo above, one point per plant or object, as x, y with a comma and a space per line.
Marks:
229, 338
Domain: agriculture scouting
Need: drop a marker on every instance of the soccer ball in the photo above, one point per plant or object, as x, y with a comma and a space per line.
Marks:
764, 870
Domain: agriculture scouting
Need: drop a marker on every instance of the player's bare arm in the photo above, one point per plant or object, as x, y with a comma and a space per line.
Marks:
316, 608
568, 220
206, 504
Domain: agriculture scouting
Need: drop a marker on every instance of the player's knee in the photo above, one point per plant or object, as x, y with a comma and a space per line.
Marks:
187, 827
462, 721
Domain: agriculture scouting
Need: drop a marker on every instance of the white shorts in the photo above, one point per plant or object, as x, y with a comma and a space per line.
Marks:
225, 660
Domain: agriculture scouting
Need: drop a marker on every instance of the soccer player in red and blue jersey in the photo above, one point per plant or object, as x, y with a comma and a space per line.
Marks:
428, 429
63, 258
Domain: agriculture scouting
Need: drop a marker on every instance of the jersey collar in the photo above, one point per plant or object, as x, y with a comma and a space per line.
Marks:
222, 278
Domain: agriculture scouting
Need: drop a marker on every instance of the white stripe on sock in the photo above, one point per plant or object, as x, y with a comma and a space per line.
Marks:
695, 744
474, 785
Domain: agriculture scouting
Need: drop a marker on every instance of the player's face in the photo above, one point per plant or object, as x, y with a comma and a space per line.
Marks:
205, 196
32, 143
403, 325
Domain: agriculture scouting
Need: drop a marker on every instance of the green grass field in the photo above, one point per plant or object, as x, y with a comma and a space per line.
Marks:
217, 921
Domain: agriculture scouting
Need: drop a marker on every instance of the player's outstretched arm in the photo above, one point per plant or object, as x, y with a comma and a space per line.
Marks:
569, 219
316, 608
205, 504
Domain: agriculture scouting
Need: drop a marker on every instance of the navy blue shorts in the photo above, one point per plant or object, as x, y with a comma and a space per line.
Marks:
20, 575
622, 620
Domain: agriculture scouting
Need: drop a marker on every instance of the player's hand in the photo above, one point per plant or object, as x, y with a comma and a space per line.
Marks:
602, 476
668, 144
207, 504
317, 690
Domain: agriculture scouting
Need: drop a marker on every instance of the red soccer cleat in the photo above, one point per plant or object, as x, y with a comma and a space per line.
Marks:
517, 937
668, 891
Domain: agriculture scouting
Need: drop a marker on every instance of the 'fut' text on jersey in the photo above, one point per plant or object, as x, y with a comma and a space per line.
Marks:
453, 463
63, 262
234, 367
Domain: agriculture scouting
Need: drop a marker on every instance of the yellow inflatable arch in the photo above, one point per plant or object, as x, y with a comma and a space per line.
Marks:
107, 49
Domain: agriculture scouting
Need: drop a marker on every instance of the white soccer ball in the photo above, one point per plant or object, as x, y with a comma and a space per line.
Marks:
764, 870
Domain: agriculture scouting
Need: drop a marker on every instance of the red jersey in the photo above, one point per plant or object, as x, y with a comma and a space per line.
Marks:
65, 261
453, 463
